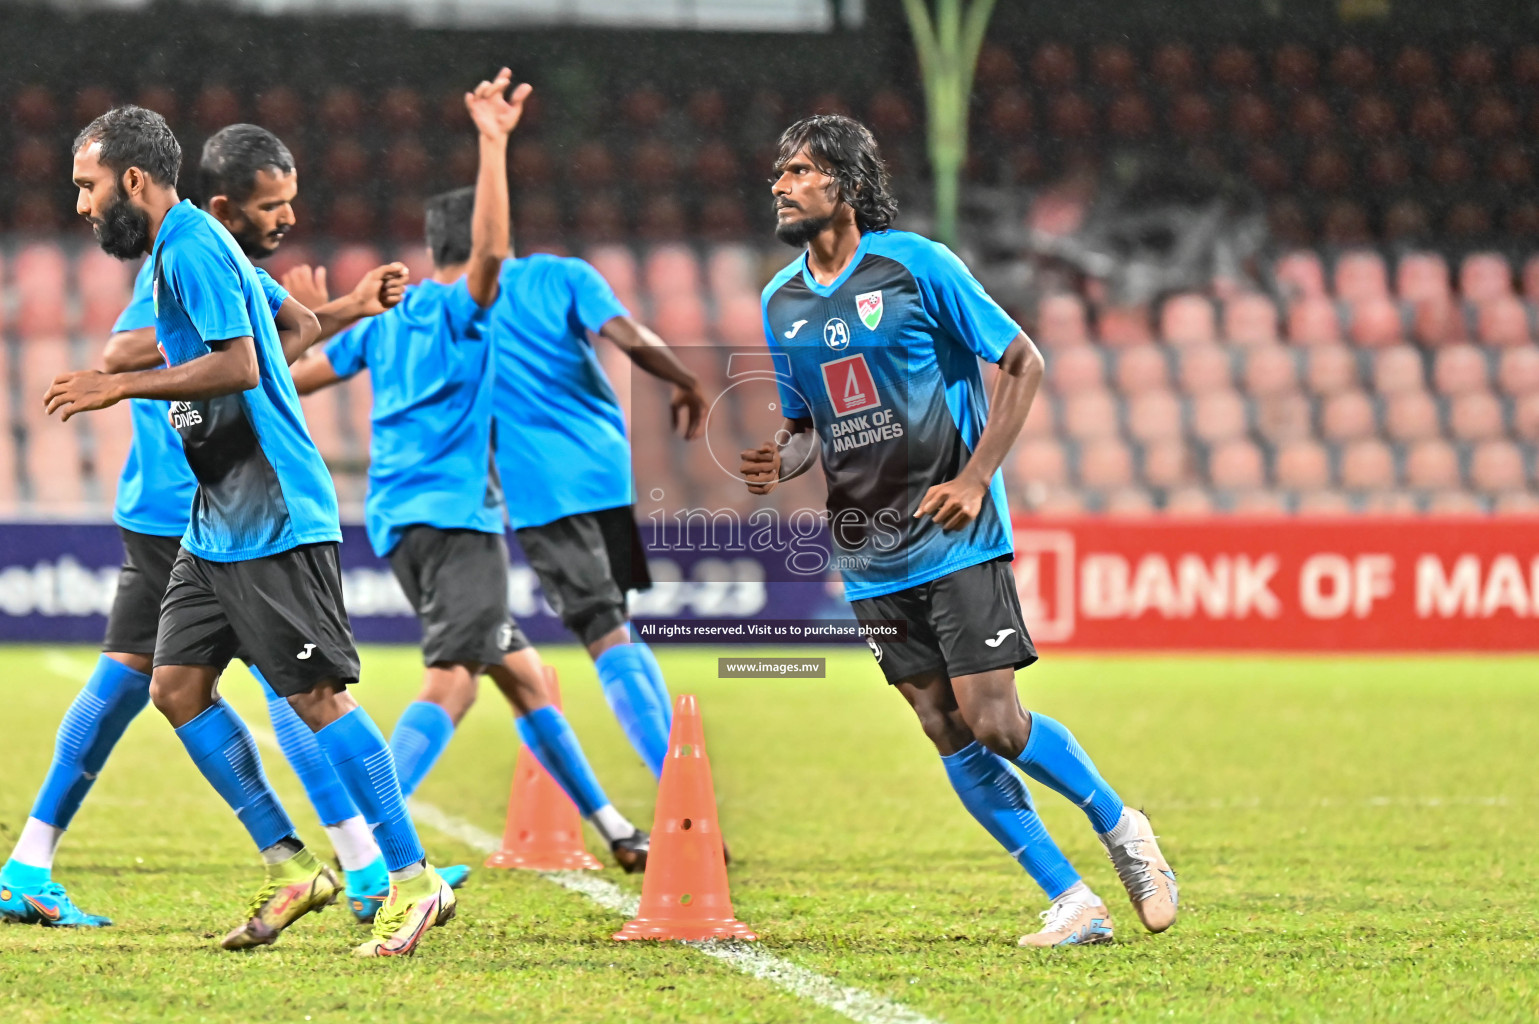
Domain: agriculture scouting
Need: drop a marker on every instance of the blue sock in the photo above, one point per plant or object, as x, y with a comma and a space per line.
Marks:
550, 738
373, 878
659, 684
222, 748
419, 739
994, 794
1054, 758
356, 749
92, 726
622, 672
331, 802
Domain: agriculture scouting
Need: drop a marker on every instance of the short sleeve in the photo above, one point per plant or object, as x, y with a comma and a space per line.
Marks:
140, 311
595, 302
276, 294
953, 296
793, 403
348, 352
208, 287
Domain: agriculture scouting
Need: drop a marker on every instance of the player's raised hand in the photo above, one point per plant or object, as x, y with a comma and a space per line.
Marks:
380, 289
307, 285
495, 112
80, 391
687, 406
955, 503
760, 468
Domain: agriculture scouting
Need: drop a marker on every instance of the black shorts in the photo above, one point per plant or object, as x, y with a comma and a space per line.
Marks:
282, 613
963, 623
134, 621
587, 563
457, 583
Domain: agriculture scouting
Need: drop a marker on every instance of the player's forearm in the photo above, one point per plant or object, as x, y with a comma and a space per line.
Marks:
489, 225
1015, 388
336, 316
229, 370
132, 350
649, 352
313, 372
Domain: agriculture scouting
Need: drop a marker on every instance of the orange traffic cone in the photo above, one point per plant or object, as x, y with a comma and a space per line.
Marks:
544, 830
684, 893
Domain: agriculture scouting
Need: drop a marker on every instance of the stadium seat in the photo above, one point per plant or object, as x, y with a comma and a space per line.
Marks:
1167, 464
40, 276
1531, 279
1323, 503
1250, 320
617, 264
1218, 416
1061, 322
1421, 276
1484, 276
600, 219
1361, 276
1077, 369
1289, 223
1113, 66
1502, 321
1130, 116
1058, 501
1432, 120
1438, 321
1188, 320
1251, 116
1089, 415
34, 109
1042, 420
1516, 503
1258, 503
1268, 170
216, 106
1105, 464
323, 415
1285, 417
281, 111
1455, 503
1388, 503
1389, 167
1330, 369
1347, 416
1517, 372
1459, 369
1040, 461
1203, 368
1476, 416
1300, 274
592, 165
1345, 223
348, 265
670, 270
740, 321
1070, 116
651, 164
1270, 370
1367, 464
1313, 320
1373, 117
1234, 67
55, 468
1473, 65
1375, 323
1414, 69
1295, 67
356, 400
1398, 369
1302, 466
1311, 117
1010, 115
1189, 502
681, 318
1411, 416
1191, 117
352, 218
1153, 416
1496, 466
1432, 465
1236, 465
1053, 66
1141, 368
36, 161
1467, 220
730, 271
1128, 502
1174, 66
1352, 67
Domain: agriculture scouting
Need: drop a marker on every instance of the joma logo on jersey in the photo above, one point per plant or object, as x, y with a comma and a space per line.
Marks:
850, 386
184, 415
869, 306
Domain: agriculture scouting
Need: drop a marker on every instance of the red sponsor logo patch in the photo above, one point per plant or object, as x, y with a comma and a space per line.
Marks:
850, 386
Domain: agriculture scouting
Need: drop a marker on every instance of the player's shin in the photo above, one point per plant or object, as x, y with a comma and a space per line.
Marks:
356, 749
548, 735
995, 795
222, 748
628, 688
1053, 757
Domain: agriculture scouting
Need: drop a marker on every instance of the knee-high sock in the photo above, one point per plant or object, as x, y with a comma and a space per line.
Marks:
627, 687
356, 749
331, 802
420, 736
997, 797
1054, 758
222, 748
659, 684
92, 726
550, 738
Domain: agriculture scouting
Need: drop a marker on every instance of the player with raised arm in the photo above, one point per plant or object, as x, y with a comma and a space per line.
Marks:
886, 385
435, 503
257, 571
248, 183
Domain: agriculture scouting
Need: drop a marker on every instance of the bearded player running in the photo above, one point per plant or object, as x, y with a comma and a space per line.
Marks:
886, 379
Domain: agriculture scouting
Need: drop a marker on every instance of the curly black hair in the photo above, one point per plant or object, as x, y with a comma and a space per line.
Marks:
134, 137
234, 154
845, 149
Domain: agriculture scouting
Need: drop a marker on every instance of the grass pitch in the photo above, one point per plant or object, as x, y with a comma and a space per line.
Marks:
1357, 840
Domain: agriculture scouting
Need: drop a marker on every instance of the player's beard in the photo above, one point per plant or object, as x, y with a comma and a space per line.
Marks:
257, 245
123, 230
800, 232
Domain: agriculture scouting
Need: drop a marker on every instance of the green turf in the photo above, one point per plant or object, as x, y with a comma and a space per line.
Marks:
1357, 840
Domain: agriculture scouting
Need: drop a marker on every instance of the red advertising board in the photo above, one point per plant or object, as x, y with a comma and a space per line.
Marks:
1358, 584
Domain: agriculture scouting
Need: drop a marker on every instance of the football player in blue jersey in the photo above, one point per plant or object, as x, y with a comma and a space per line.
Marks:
248, 182
885, 386
257, 572
435, 500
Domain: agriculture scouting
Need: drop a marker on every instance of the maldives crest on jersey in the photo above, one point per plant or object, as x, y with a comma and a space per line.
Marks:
869, 306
